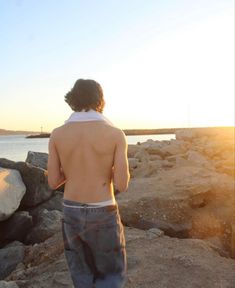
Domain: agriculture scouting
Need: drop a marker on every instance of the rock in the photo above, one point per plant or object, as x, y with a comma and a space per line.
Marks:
12, 190
213, 133
133, 163
132, 150
167, 164
54, 203
155, 157
142, 155
198, 159
9, 258
225, 166
173, 158
155, 150
175, 147
167, 262
233, 240
37, 159
149, 204
216, 244
16, 227
51, 248
185, 135
147, 169
182, 201
37, 189
47, 224
11, 284
150, 143
192, 158
152, 262
154, 233
14, 244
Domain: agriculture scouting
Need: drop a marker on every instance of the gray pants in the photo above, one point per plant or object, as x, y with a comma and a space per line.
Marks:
94, 245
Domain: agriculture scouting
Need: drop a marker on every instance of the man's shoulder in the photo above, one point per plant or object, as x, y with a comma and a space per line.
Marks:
116, 131
56, 131
118, 135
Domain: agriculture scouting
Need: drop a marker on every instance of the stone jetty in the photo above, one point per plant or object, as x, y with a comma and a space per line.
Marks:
178, 214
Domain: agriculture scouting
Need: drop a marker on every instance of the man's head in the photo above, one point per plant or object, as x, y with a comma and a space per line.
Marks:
85, 95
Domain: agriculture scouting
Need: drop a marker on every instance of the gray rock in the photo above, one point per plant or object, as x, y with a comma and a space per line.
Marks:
37, 189
54, 203
10, 284
14, 244
9, 258
154, 233
16, 227
37, 159
47, 224
12, 190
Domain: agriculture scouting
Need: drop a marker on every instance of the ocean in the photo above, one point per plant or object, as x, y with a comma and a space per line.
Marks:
16, 147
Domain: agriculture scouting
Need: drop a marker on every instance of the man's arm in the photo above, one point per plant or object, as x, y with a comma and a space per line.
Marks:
55, 174
121, 174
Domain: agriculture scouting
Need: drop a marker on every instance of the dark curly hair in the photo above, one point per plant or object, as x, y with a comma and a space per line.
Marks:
86, 94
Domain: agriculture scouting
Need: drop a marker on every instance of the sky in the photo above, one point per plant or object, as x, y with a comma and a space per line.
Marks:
161, 63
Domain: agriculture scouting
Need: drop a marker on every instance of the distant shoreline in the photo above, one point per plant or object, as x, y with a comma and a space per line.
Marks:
128, 132
16, 132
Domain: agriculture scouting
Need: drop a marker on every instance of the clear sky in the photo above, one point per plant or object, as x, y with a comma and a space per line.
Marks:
161, 63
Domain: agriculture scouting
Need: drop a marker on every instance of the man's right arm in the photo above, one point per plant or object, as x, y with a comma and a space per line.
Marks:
121, 174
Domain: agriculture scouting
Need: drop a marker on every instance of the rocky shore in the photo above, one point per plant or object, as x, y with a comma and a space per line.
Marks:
179, 216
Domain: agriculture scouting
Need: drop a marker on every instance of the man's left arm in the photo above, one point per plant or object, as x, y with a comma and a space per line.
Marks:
55, 174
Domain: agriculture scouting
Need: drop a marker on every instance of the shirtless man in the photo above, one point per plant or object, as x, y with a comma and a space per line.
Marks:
90, 156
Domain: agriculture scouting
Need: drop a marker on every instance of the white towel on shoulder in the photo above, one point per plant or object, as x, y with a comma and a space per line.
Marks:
90, 115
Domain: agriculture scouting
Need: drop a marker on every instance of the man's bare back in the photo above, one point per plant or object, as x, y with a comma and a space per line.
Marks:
89, 156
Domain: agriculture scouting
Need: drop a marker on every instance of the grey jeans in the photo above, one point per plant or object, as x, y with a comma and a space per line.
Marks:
94, 245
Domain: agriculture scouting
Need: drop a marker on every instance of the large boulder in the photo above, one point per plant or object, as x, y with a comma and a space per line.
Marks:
47, 224
183, 201
54, 203
12, 190
37, 159
37, 189
132, 150
175, 147
185, 134
16, 227
9, 258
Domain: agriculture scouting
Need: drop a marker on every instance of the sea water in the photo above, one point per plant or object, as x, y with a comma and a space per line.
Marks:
16, 147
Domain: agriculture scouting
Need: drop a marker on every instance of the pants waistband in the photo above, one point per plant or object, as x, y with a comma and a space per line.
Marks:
82, 206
